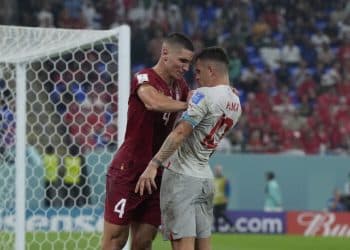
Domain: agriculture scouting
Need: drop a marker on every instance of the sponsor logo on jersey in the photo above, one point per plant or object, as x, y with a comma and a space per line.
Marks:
141, 78
197, 97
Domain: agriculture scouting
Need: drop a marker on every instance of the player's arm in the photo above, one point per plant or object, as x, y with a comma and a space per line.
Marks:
196, 110
170, 145
172, 142
156, 101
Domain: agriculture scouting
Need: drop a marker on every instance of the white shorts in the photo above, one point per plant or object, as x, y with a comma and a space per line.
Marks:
186, 205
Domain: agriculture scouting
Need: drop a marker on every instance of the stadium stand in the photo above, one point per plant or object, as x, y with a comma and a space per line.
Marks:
290, 64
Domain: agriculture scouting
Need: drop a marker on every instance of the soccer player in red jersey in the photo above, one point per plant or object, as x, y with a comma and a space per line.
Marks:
157, 94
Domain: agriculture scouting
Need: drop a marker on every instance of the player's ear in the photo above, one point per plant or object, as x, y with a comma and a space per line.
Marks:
211, 69
165, 53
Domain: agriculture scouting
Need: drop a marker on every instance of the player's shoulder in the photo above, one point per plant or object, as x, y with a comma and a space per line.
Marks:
218, 95
225, 91
199, 94
144, 75
211, 92
205, 91
145, 71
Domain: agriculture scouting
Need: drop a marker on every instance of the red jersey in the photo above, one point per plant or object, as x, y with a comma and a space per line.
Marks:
146, 130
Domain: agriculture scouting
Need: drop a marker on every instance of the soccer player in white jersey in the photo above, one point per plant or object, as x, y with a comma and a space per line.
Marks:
187, 188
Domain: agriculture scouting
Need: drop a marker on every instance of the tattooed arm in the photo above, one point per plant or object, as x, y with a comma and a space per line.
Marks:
171, 143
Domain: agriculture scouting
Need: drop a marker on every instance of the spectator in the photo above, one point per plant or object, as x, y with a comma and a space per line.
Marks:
158, 17
174, 18
267, 81
77, 190
347, 186
73, 7
259, 29
282, 74
92, 17
344, 51
292, 144
344, 28
334, 203
221, 197
273, 196
325, 54
338, 14
45, 17
319, 38
308, 52
292, 120
249, 79
271, 55
52, 180
191, 20
255, 143
67, 21
310, 141
332, 76
237, 140
290, 53
235, 66
307, 87
210, 36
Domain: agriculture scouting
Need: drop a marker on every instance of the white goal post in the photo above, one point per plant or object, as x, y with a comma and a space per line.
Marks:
64, 100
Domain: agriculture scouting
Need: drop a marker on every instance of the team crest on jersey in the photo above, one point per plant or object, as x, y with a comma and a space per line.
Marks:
197, 97
141, 78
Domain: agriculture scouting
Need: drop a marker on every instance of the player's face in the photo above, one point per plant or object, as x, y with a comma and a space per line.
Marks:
179, 62
202, 73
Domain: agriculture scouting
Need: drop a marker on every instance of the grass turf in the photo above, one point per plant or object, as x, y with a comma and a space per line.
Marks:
85, 241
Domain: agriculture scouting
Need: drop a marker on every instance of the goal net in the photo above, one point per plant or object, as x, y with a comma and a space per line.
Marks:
63, 104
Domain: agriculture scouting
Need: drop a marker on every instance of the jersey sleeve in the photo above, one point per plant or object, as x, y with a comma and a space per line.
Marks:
144, 77
197, 109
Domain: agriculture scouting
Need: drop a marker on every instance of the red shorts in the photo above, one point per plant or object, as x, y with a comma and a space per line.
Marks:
123, 205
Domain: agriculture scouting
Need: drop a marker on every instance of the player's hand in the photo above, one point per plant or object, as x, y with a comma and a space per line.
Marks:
147, 179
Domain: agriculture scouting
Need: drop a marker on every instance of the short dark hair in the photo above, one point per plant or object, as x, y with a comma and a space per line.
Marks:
270, 175
181, 39
216, 54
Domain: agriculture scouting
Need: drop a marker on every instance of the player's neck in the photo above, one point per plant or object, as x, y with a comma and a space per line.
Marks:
224, 80
163, 74
219, 82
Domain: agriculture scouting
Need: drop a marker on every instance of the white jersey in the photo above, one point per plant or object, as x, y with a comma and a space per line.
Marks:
212, 111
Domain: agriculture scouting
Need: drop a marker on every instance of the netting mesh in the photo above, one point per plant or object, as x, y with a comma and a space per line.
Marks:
7, 155
71, 129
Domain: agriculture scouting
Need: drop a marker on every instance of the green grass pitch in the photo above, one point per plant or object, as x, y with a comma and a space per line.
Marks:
85, 241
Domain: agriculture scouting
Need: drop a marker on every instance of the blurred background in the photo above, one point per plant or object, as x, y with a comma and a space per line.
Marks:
290, 59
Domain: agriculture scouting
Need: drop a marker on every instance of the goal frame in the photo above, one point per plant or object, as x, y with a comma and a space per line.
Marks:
123, 32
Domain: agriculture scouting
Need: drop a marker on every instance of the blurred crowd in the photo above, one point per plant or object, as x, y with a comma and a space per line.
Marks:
290, 59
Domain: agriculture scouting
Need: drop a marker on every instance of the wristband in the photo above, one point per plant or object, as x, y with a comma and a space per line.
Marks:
158, 162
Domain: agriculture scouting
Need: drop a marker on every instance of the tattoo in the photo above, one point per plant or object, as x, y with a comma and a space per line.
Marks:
168, 148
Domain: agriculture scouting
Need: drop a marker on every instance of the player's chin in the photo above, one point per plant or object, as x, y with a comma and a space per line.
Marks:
178, 75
